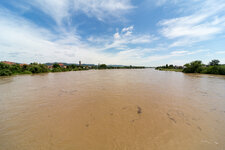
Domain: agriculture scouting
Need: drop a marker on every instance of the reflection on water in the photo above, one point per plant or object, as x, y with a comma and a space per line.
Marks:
112, 109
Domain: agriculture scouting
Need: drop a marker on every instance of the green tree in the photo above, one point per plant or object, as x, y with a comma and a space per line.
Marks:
34, 69
4, 66
44, 68
56, 65
24, 67
222, 69
74, 66
193, 67
15, 68
214, 62
170, 66
56, 70
5, 72
37, 68
103, 66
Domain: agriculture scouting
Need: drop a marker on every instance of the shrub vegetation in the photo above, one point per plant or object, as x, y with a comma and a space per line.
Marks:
7, 70
213, 67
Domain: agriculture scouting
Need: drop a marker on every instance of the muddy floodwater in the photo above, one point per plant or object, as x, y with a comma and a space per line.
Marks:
112, 110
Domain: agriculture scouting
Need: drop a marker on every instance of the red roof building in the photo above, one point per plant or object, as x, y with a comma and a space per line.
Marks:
8, 62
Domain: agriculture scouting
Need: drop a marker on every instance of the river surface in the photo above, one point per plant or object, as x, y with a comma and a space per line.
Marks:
112, 110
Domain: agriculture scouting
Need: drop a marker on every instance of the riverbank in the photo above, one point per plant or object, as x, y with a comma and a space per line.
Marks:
167, 69
10, 68
197, 66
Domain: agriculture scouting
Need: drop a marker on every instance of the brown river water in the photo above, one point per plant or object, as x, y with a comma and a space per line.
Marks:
112, 110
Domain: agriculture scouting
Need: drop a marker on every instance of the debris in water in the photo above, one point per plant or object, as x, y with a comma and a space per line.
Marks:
199, 128
172, 119
139, 111
71, 92
188, 123
134, 120
124, 108
87, 125
205, 141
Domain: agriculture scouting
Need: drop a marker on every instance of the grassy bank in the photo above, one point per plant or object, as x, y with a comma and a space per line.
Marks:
167, 69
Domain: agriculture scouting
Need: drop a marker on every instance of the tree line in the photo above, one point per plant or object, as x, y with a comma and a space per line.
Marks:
8, 70
213, 67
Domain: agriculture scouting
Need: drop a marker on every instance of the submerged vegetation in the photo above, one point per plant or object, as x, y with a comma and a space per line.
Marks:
213, 67
198, 67
9, 68
170, 68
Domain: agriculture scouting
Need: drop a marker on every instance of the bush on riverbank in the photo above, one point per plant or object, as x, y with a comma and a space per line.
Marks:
102, 66
5, 72
193, 67
197, 67
220, 69
14, 69
37, 68
212, 68
170, 68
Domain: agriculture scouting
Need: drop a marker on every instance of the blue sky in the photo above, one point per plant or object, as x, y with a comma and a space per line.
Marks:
127, 32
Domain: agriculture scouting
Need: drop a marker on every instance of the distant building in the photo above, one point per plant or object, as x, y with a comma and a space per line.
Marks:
79, 63
62, 65
8, 62
22, 65
50, 67
12, 63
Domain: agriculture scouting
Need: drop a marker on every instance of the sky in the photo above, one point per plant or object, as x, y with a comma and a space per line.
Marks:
118, 32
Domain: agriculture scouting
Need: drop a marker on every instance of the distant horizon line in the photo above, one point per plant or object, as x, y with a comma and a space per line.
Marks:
72, 63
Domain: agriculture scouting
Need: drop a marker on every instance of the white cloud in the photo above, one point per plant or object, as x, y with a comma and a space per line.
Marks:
190, 26
23, 41
57, 9
199, 26
116, 35
130, 28
142, 39
162, 2
220, 52
174, 54
178, 52
62, 10
126, 36
102, 9
121, 40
